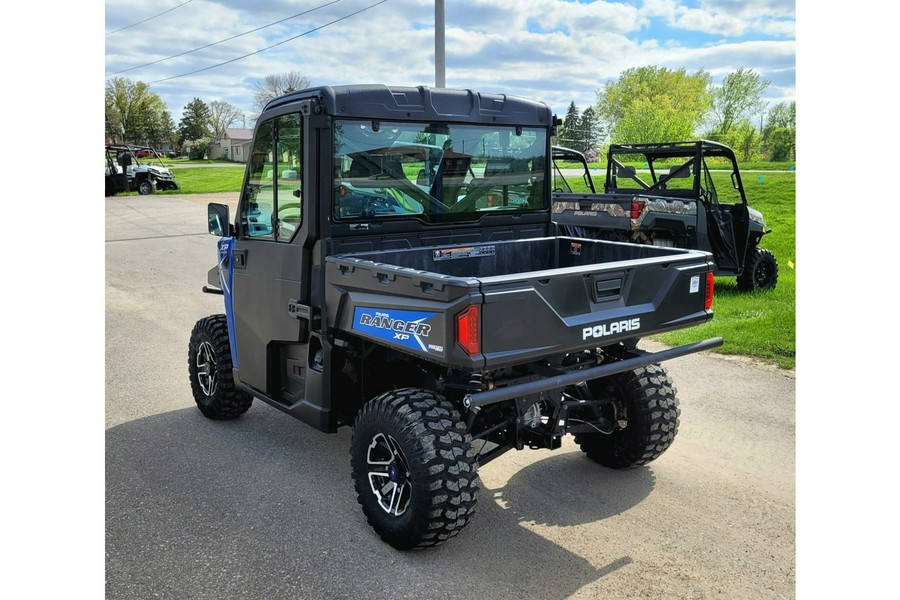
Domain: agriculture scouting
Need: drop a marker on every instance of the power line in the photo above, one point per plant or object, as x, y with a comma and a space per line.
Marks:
223, 41
149, 18
269, 47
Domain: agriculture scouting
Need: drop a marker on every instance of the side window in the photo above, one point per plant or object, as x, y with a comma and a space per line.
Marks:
271, 207
707, 187
289, 154
725, 185
258, 203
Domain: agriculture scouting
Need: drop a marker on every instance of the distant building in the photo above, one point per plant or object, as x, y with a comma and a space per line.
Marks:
233, 145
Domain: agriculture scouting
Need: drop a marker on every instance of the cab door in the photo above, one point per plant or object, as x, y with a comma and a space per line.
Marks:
727, 222
268, 261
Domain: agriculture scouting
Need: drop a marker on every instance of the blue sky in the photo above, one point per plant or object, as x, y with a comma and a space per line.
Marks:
557, 51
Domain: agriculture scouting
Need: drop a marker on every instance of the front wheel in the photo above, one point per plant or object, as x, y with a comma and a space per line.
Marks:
646, 418
760, 271
146, 186
210, 368
414, 468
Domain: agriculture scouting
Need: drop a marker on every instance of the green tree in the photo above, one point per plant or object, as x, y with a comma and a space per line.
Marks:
654, 104
133, 113
158, 128
569, 129
780, 143
193, 130
780, 134
654, 121
783, 114
591, 132
738, 97
743, 138
171, 133
582, 132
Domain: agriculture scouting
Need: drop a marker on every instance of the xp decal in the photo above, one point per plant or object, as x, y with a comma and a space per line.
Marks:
410, 329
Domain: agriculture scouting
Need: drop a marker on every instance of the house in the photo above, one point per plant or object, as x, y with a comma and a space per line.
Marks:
233, 145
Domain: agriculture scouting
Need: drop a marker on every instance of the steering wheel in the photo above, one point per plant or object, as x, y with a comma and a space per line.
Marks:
373, 206
292, 207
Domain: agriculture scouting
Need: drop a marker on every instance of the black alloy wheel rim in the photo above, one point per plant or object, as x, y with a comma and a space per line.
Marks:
388, 475
207, 368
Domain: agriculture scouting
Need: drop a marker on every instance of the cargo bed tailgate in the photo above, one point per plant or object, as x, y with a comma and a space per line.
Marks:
541, 314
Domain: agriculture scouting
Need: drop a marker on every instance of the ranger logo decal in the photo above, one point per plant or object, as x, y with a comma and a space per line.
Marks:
410, 329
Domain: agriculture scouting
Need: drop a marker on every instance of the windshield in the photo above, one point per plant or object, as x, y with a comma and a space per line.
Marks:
436, 172
654, 174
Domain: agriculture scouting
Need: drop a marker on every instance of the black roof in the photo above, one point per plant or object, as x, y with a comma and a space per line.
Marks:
421, 103
692, 148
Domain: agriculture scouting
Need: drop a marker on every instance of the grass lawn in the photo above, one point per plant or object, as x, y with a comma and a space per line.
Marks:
205, 180
761, 325
208, 180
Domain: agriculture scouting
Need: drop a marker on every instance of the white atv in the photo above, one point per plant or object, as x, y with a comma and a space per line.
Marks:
146, 177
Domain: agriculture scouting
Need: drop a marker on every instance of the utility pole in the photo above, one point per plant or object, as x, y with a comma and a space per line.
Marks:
440, 75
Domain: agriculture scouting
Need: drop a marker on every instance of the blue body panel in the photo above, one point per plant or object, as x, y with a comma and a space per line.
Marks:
226, 276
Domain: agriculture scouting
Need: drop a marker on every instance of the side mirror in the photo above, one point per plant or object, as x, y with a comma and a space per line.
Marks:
217, 220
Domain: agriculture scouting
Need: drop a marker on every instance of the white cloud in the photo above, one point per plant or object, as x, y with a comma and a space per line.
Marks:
710, 22
553, 50
729, 18
498, 16
784, 29
749, 9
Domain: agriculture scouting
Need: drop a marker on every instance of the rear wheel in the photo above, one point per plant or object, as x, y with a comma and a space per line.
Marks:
414, 468
646, 419
210, 367
760, 271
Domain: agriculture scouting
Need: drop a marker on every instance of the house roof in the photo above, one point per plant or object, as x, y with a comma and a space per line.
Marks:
238, 134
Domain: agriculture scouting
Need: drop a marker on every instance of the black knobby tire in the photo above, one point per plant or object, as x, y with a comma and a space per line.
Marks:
146, 187
651, 412
210, 367
760, 271
414, 468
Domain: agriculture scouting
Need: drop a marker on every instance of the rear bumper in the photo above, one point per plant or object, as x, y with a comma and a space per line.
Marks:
481, 399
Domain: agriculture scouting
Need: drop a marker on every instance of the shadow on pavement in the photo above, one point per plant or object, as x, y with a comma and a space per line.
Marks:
570, 489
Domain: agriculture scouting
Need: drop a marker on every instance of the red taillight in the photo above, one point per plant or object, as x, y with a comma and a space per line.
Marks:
709, 290
637, 207
467, 326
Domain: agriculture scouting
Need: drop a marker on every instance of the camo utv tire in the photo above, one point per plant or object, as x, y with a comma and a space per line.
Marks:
648, 408
414, 468
210, 367
760, 271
